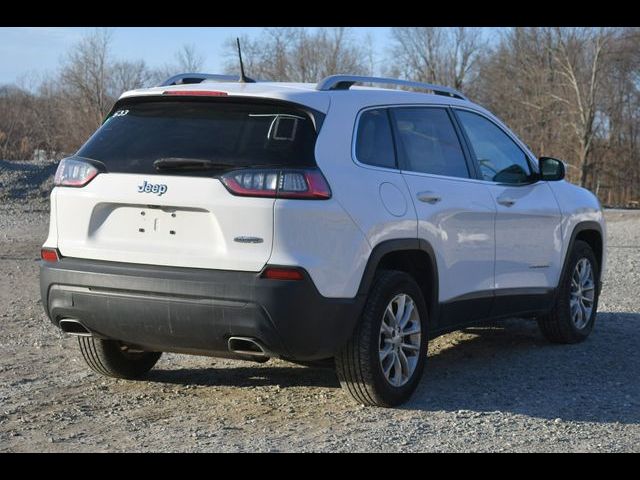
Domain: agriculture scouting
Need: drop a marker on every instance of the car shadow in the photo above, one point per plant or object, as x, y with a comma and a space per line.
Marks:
512, 368
284, 376
508, 367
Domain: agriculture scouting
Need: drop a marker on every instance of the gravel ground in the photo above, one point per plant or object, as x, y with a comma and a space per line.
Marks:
26, 181
502, 388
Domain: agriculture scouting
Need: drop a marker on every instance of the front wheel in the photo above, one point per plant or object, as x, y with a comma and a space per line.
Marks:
382, 363
112, 358
574, 312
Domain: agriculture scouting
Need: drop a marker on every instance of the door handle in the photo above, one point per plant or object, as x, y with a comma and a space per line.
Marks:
429, 197
506, 201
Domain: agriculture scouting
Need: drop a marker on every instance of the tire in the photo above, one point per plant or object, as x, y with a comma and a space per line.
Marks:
563, 324
358, 364
111, 358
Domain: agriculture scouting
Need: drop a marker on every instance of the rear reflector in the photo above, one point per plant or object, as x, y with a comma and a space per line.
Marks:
282, 273
196, 93
49, 254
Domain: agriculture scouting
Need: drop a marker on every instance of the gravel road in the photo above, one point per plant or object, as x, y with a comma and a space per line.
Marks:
502, 388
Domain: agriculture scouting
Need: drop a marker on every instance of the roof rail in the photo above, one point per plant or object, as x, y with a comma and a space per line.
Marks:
344, 82
184, 78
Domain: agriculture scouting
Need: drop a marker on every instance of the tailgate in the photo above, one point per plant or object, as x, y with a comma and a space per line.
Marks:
158, 198
192, 224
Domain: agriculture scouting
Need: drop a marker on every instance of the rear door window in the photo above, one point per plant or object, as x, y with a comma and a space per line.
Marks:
224, 134
427, 142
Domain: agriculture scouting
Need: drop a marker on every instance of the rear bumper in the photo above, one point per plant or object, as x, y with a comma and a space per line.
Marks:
196, 310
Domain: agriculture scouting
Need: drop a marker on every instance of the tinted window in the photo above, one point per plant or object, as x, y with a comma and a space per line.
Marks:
427, 142
374, 144
499, 158
238, 134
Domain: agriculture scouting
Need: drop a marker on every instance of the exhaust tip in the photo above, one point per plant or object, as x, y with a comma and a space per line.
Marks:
246, 346
74, 327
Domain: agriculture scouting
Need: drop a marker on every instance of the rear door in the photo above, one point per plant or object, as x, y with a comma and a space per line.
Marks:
178, 212
528, 222
455, 212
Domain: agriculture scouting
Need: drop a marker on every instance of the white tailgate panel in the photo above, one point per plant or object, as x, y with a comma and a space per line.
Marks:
110, 220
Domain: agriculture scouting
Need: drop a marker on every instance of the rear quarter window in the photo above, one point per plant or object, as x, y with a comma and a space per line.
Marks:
374, 141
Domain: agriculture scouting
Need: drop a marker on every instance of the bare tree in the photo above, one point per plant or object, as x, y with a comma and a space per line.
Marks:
300, 55
436, 54
127, 75
85, 73
188, 59
515, 80
572, 93
15, 123
57, 113
615, 165
581, 56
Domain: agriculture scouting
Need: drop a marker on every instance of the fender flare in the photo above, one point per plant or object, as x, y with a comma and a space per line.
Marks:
588, 225
401, 245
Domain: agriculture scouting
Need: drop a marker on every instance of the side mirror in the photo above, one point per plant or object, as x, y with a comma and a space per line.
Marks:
551, 169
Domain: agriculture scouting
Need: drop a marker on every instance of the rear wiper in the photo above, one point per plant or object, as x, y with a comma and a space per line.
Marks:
176, 163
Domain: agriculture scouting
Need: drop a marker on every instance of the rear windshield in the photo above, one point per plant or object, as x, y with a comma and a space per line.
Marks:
225, 134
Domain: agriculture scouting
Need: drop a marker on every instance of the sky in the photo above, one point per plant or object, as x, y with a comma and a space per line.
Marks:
26, 51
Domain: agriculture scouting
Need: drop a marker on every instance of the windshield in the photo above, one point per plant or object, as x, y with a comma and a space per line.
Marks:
227, 135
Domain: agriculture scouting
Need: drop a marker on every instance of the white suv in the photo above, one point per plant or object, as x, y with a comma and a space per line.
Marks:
311, 223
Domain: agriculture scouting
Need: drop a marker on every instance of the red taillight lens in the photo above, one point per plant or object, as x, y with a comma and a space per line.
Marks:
49, 254
73, 172
195, 93
301, 184
282, 273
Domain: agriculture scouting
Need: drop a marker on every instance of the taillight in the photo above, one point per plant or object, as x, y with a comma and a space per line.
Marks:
282, 273
302, 184
49, 254
73, 172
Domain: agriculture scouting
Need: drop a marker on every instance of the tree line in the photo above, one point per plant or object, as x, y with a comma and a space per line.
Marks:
570, 92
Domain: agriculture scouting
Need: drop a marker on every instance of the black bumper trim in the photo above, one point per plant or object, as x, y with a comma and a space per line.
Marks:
196, 310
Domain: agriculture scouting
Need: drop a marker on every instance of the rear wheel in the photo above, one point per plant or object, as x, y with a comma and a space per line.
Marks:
112, 358
574, 312
383, 362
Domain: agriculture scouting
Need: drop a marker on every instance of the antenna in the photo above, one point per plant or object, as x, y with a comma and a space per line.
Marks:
243, 78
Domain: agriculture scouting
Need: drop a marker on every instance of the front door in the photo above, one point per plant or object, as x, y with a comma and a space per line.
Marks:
528, 220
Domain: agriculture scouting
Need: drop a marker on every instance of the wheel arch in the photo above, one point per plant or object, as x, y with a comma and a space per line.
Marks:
413, 256
591, 233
